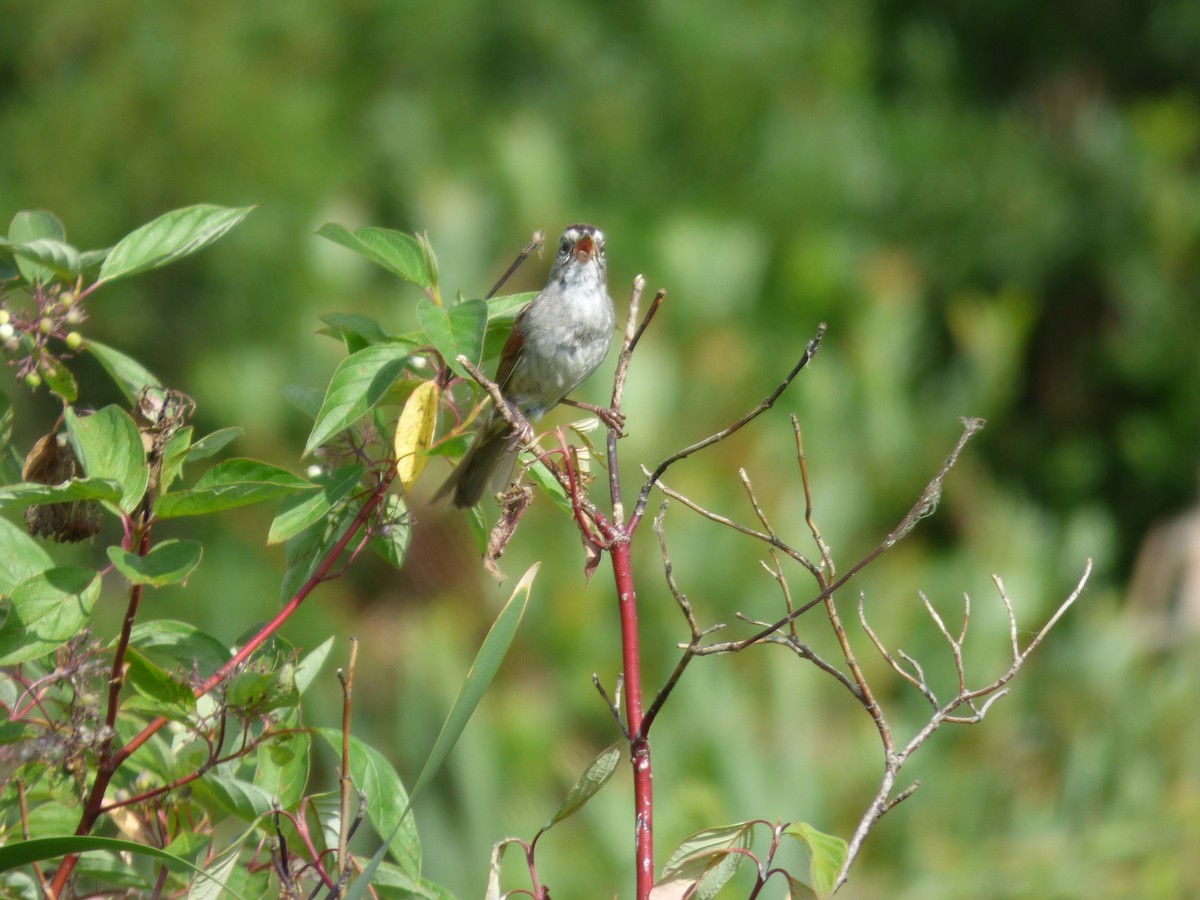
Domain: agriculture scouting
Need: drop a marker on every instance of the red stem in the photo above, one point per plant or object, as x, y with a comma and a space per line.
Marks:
639, 745
106, 770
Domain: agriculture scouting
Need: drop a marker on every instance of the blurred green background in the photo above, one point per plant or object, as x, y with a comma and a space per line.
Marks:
996, 208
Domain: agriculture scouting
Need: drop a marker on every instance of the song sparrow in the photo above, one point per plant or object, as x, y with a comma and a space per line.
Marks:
557, 341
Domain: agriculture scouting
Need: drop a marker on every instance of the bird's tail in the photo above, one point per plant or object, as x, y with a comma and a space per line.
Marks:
470, 478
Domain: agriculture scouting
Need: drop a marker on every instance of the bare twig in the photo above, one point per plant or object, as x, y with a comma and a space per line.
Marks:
535, 243
641, 329
345, 781
769, 401
944, 713
613, 705
922, 508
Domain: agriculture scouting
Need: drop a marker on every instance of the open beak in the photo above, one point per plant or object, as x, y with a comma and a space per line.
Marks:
585, 248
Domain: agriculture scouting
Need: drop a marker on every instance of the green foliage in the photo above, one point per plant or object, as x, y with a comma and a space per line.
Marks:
133, 463
992, 205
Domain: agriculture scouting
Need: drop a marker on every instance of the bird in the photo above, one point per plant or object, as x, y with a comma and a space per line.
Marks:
556, 342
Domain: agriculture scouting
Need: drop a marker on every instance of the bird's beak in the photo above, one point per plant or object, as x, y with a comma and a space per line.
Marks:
585, 248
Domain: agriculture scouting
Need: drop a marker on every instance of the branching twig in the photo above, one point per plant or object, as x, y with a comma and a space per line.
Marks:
884, 801
769, 401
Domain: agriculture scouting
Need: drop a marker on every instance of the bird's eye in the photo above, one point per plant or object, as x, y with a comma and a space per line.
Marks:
564, 246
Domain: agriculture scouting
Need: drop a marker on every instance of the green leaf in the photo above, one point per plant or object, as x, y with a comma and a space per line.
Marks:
230, 484
180, 641
301, 510
360, 382
303, 398
455, 331
168, 695
396, 251
540, 475
704, 862
213, 443
109, 445
282, 763
304, 552
211, 884
22, 853
387, 800
483, 670
593, 778
44, 259
170, 562
234, 795
48, 609
827, 852
31, 493
355, 331
129, 374
393, 537
174, 455
171, 236
58, 378
309, 667
21, 557
30, 226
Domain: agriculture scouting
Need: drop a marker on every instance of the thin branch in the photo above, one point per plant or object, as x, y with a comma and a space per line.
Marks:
346, 783
535, 243
769, 401
650, 313
922, 508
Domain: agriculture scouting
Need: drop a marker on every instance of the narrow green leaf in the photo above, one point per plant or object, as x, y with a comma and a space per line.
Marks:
594, 777
213, 443
828, 855
174, 455
309, 667
22, 853
455, 331
34, 225
109, 445
6, 420
21, 557
397, 252
211, 883
129, 374
171, 236
483, 670
359, 383
48, 609
170, 562
230, 484
27, 493
387, 799
299, 511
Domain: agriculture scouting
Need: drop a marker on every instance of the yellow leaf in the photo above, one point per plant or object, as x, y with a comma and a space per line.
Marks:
414, 432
